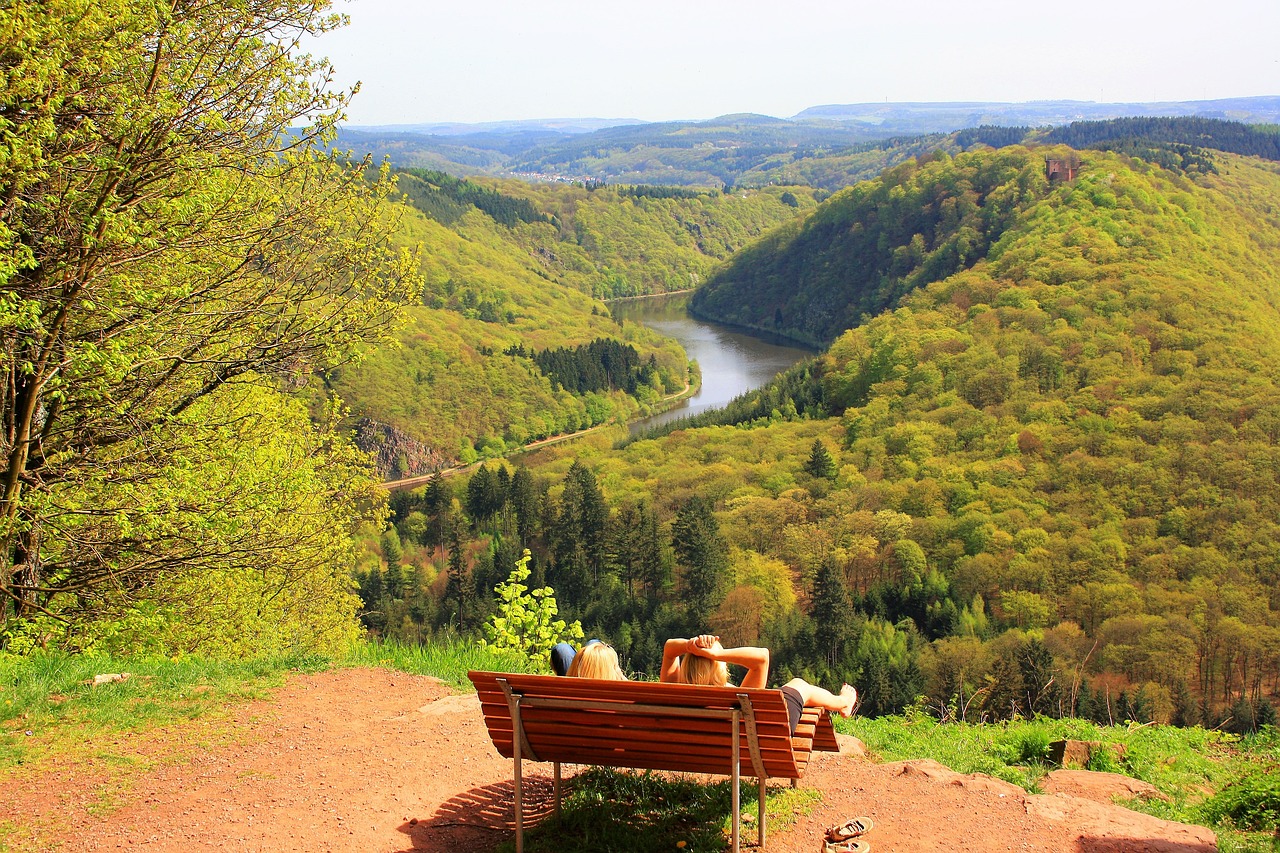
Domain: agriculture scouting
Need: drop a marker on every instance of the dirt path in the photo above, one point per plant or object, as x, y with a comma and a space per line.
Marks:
371, 761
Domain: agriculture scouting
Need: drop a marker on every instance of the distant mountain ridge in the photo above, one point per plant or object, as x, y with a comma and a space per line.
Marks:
946, 115
826, 146
943, 117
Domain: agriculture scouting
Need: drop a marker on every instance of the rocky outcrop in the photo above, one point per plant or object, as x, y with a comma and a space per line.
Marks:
396, 453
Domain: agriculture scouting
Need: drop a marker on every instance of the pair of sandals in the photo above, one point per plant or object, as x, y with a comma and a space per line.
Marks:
844, 838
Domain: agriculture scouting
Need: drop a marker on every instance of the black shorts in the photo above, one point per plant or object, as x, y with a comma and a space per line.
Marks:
795, 706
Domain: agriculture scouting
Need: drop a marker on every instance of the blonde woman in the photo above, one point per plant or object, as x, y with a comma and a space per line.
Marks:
597, 660
702, 660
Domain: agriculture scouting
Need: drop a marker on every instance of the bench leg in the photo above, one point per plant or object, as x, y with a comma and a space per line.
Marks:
764, 785
515, 749
556, 786
733, 792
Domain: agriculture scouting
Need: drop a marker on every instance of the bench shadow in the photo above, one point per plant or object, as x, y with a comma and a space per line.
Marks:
480, 819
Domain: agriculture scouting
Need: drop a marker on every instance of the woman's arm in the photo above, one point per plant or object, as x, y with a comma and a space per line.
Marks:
671, 651
754, 658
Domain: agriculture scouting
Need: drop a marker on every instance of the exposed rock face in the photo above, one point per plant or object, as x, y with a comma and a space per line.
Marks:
397, 453
1078, 753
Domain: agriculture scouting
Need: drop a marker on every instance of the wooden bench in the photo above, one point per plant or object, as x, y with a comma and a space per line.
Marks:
648, 725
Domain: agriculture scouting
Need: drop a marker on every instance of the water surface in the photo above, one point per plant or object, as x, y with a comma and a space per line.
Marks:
732, 361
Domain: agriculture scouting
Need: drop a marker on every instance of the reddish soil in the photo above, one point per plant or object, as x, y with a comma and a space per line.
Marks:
370, 760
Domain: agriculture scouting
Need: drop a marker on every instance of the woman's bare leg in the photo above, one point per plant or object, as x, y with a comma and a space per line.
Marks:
817, 697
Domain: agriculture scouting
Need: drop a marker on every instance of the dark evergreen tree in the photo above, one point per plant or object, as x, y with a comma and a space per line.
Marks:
579, 536
436, 500
1186, 711
484, 496
831, 611
525, 505
1086, 705
655, 571
458, 588
624, 548
393, 581
702, 556
372, 615
820, 464
875, 688
1004, 697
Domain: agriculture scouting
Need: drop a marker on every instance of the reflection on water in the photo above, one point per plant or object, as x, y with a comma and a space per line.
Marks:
732, 361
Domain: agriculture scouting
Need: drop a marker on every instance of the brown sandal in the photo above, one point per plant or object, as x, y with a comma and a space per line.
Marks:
850, 846
851, 828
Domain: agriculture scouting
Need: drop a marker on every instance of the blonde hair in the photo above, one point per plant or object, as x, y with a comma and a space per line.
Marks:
597, 660
696, 669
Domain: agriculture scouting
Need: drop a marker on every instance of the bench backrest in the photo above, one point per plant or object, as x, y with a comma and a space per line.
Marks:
647, 725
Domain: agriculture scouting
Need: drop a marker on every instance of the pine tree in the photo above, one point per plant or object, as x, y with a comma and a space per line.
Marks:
525, 504
458, 588
702, 555
1039, 689
436, 500
831, 611
820, 465
580, 535
1186, 712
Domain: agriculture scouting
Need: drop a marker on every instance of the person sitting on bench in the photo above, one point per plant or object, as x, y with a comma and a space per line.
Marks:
702, 660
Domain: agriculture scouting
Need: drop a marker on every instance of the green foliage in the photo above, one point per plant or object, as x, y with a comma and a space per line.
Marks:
176, 257
446, 198
526, 622
1070, 442
1251, 802
1181, 134
820, 465
1027, 745
451, 381
870, 244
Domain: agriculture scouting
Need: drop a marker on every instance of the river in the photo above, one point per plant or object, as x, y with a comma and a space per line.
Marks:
732, 361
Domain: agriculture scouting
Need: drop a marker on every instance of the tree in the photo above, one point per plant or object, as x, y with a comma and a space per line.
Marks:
524, 503
458, 588
831, 611
580, 534
436, 502
701, 553
166, 240
525, 621
820, 465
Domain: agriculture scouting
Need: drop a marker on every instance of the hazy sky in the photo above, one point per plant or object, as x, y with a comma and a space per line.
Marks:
487, 60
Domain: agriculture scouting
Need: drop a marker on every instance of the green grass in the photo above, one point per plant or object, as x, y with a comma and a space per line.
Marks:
447, 660
1183, 764
50, 706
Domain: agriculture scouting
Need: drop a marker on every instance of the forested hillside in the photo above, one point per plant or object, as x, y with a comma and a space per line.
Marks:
878, 240
512, 270
1045, 482
613, 241
872, 243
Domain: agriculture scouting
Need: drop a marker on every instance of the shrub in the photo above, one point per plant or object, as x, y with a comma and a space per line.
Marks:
1252, 803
